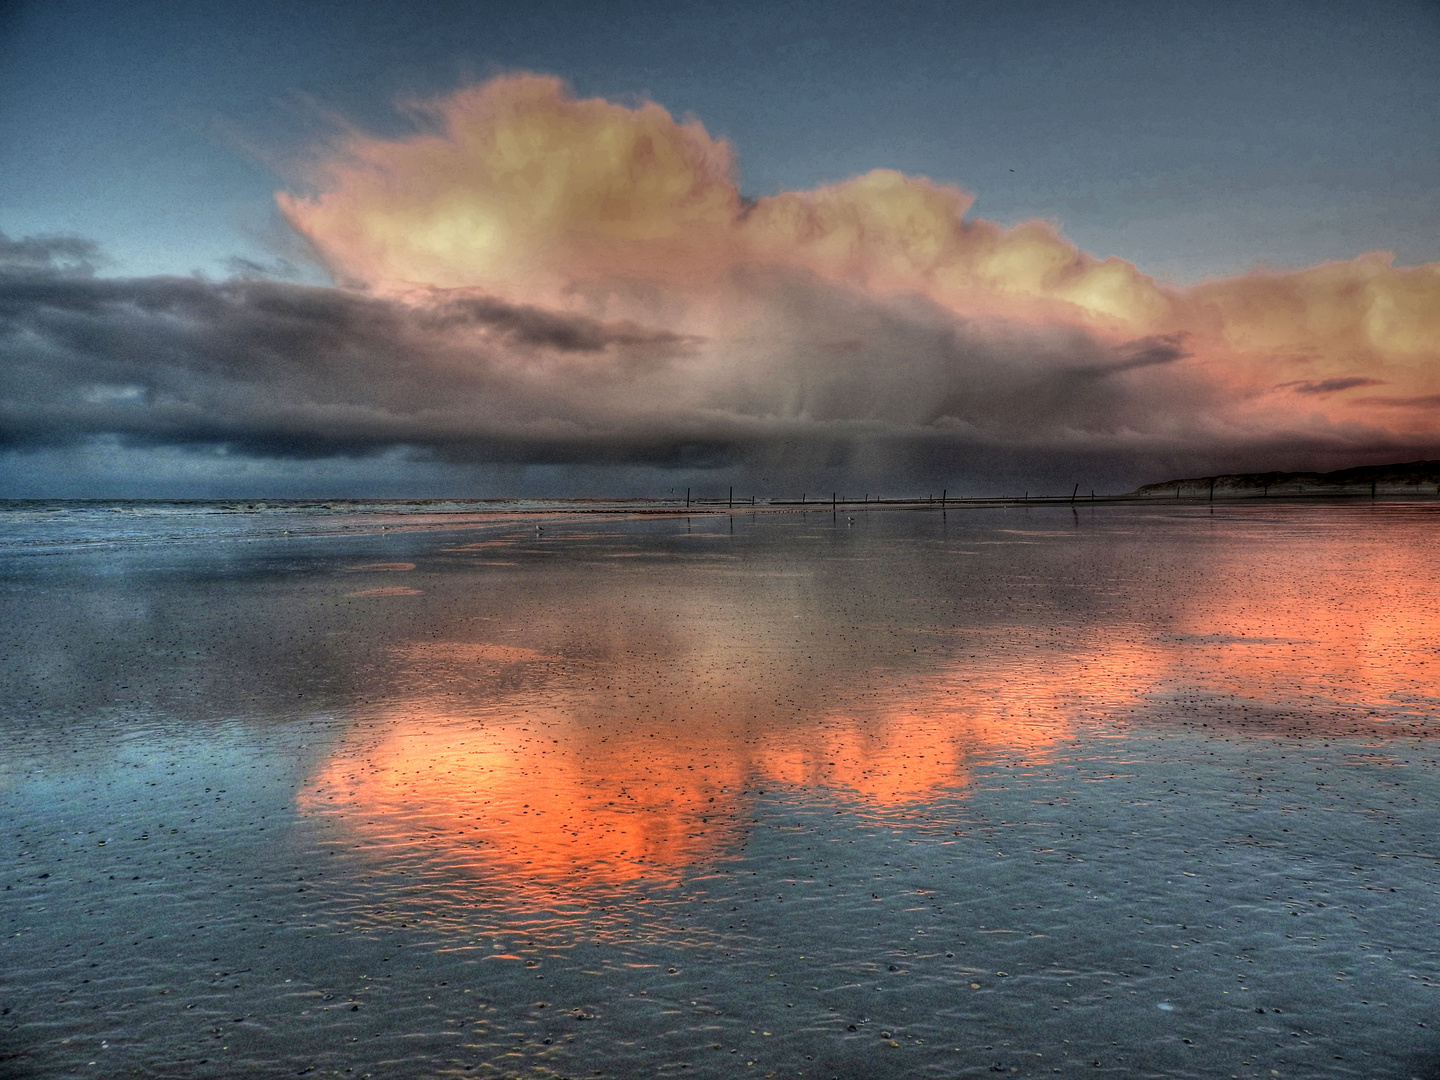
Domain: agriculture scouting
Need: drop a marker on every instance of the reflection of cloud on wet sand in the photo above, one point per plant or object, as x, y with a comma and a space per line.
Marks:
383, 590
472, 652
1348, 646
513, 798
1337, 638
636, 724
567, 785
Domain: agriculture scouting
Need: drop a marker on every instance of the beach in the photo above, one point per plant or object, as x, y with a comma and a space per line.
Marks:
519, 791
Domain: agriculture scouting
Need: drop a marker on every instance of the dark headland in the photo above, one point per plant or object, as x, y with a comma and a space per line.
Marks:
1407, 478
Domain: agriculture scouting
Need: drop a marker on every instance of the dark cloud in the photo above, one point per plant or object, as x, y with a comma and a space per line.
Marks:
823, 381
1421, 401
448, 309
1330, 386
49, 255
272, 368
1144, 352
242, 267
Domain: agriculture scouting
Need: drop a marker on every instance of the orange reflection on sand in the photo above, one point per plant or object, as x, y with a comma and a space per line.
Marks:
633, 729
893, 760
571, 785
510, 796
1358, 629
568, 786
916, 744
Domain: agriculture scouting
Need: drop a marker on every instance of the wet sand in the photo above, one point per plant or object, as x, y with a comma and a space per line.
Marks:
1128, 791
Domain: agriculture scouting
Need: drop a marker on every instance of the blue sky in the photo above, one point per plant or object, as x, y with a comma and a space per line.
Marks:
1192, 139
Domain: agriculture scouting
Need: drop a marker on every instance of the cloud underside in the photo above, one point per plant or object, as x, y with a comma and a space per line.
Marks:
828, 376
532, 279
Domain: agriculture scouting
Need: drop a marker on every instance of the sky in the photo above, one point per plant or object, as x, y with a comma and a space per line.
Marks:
324, 250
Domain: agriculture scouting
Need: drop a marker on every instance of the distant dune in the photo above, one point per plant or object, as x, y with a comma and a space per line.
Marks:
1408, 478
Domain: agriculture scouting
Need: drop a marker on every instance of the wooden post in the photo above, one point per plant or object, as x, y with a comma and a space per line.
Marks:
1074, 493
732, 498
687, 497
1212, 489
943, 492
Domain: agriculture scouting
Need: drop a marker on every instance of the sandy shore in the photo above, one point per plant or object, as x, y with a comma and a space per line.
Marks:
1131, 792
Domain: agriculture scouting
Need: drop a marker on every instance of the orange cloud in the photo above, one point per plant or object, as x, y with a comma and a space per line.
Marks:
528, 193
517, 189
1360, 322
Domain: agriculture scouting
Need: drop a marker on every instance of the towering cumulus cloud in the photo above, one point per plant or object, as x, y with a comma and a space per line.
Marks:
522, 190
872, 302
530, 277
